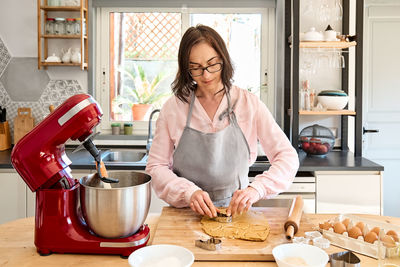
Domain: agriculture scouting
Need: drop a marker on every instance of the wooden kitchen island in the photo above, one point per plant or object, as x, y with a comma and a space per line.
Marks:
17, 247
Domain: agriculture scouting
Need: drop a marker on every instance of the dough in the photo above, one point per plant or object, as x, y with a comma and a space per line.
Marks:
251, 225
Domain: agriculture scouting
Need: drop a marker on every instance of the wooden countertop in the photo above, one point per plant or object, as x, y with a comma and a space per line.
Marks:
17, 247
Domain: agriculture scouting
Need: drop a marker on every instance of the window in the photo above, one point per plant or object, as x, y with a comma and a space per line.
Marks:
136, 51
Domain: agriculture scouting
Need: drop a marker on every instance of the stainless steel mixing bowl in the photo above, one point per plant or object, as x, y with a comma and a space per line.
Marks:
118, 211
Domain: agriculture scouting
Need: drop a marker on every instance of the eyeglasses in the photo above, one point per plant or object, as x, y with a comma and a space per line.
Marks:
195, 72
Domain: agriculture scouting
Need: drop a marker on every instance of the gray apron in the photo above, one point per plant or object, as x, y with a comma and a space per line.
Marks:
218, 162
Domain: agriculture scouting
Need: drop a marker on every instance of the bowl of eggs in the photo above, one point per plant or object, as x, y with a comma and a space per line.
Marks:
364, 236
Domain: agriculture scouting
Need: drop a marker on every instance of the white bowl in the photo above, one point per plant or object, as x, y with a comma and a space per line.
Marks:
333, 102
306, 254
160, 256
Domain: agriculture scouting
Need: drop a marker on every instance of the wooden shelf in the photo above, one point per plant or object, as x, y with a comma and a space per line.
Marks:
62, 8
339, 45
63, 36
328, 112
43, 63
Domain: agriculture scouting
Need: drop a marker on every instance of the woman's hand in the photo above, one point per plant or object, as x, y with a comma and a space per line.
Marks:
242, 200
201, 203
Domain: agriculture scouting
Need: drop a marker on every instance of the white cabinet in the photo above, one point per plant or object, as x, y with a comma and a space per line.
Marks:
349, 192
12, 196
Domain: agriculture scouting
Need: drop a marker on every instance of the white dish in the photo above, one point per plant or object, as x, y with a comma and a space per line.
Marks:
160, 256
333, 102
312, 256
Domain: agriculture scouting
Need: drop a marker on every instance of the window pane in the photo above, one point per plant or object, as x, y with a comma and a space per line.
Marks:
143, 53
242, 35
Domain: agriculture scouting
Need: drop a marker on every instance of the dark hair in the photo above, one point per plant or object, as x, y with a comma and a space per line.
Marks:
184, 83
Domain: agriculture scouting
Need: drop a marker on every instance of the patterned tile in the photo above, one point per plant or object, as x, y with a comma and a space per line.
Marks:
4, 57
4, 97
12, 112
56, 92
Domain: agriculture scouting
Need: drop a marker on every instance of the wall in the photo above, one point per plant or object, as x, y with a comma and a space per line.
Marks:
21, 83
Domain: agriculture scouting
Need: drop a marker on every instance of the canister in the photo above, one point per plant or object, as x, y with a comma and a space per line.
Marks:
49, 27
128, 128
59, 26
70, 26
116, 128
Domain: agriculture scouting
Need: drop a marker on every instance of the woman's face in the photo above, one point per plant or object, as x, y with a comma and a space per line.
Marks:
203, 55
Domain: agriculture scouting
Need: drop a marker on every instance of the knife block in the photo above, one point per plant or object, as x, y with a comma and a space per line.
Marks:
5, 137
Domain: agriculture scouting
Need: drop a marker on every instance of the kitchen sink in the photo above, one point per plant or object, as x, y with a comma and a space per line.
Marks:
124, 156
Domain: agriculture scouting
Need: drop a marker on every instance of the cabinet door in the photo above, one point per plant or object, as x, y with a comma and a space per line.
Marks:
349, 192
12, 196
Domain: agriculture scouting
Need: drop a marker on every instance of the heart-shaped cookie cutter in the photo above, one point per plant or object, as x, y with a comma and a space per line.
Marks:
344, 259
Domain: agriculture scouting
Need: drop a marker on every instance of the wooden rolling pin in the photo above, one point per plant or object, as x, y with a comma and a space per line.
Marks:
293, 220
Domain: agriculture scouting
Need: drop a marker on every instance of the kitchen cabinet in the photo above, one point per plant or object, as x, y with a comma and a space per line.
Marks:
44, 11
349, 192
292, 76
12, 196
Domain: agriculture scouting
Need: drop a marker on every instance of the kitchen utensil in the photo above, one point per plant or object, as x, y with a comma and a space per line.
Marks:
116, 212
40, 159
5, 137
223, 217
316, 140
333, 102
209, 244
344, 259
182, 226
23, 123
291, 255
294, 217
161, 256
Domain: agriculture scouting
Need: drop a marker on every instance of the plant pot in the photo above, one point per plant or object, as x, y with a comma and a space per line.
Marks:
139, 111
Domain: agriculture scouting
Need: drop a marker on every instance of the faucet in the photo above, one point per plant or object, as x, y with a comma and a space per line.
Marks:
149, 136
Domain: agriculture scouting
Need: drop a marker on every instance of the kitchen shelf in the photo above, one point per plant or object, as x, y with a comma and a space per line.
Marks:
338, 45
44, 39
328, 112
62, 8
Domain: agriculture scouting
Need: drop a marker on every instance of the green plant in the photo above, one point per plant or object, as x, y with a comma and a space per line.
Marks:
137, 89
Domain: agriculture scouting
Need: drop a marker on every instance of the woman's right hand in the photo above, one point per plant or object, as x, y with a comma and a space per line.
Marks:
201, 203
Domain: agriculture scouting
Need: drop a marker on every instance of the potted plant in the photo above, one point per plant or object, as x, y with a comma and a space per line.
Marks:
138, 92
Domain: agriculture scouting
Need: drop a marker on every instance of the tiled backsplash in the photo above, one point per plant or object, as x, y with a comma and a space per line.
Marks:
50, 92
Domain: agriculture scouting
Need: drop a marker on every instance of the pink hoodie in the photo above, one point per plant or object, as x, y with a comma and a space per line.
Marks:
256, 122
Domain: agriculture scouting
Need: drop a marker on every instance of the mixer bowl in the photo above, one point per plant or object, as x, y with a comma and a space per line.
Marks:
118, 211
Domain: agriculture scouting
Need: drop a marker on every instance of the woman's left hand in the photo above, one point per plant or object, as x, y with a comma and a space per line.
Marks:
242, 200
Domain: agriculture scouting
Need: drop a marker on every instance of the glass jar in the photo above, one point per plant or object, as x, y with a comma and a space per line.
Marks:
49, 27
70, 26
59, 26
77, 25
128, 128
53, 2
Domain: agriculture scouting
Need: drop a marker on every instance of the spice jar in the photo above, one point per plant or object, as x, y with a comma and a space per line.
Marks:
49, 27
70, 26
59, 26
128, 128
77, 25
115, 128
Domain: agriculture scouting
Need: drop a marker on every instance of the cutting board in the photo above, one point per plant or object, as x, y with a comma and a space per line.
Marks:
182, 227
23, 123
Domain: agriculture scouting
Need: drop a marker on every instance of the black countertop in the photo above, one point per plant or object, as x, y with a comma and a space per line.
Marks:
334, 161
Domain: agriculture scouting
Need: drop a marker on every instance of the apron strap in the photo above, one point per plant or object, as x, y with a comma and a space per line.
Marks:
189, 117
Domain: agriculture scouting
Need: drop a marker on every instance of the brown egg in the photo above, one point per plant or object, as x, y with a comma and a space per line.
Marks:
355, 232
371, 237
339, 228
346, 222
376, 230
388, 241
393, 234
360, 225
325, 225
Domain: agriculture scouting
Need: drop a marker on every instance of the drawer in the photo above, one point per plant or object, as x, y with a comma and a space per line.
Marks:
301, 188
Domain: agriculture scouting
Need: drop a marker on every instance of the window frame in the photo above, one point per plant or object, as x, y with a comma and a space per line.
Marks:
267, 88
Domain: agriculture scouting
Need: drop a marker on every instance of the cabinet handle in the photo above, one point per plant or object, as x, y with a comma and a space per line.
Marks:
370, 130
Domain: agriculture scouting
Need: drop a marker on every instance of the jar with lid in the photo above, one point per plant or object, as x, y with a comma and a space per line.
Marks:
70, 26
77, 25
53, 2
128, 128
49, 27
59, 26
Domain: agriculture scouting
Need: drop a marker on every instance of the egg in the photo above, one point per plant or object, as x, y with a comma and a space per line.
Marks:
325, 225
388, 241
360, 225
346, 222
393, 234
371, 237
355, 232
376, 230
339, 228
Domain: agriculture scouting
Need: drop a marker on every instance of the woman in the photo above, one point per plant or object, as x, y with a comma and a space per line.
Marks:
206, 135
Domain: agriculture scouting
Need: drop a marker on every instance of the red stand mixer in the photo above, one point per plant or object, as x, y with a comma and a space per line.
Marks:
40, 159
